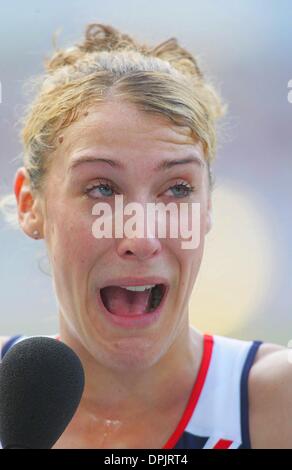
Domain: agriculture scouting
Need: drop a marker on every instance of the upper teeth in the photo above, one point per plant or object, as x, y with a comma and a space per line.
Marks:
138, 288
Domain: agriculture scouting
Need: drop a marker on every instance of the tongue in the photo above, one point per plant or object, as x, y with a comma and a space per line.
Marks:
122, 302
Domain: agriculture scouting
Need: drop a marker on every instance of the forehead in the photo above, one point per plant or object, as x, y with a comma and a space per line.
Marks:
120, 129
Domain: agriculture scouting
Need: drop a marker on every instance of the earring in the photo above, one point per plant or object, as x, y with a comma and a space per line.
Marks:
36, 234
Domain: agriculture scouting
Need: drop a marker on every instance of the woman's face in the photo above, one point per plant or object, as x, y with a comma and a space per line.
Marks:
135, 143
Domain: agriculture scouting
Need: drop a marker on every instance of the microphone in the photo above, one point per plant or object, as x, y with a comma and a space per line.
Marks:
41, 384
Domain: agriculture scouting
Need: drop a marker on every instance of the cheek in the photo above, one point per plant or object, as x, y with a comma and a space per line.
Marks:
190, 225
70, 240
189, 258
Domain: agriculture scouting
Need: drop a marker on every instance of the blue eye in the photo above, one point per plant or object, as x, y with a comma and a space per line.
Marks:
183, 189
105, 189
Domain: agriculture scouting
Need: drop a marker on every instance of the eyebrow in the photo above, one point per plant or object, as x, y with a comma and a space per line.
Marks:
164, 165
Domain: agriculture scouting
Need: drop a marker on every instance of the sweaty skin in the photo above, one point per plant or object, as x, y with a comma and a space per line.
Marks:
135, 377
132, 376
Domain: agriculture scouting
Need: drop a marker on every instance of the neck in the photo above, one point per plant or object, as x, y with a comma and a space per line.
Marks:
115, 394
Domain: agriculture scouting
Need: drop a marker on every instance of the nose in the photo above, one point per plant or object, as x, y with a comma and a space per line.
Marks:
140, 243
140, 248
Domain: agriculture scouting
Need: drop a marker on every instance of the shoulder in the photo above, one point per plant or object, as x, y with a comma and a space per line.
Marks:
270, 397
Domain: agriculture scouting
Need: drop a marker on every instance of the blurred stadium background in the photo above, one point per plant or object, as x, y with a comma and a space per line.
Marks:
244, 288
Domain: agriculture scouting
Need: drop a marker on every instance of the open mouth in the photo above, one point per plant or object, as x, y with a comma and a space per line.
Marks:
132, 300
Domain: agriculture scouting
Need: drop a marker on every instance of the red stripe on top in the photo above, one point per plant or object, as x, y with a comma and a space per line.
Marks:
196, 392
222, 444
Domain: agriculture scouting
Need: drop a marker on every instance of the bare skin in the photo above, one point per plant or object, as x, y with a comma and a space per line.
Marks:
138, 376
270, 409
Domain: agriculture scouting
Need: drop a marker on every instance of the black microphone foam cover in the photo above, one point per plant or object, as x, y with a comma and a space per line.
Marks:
41, 384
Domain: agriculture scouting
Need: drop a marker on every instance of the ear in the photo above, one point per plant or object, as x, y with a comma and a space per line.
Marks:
28, 205
209, 218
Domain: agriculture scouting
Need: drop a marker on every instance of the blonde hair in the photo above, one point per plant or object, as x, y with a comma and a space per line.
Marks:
108, 64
